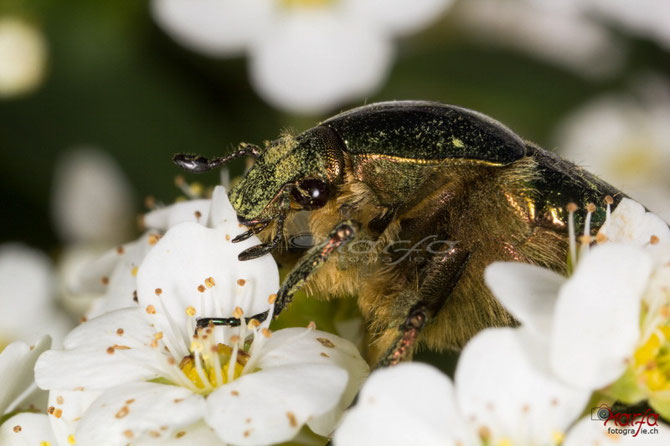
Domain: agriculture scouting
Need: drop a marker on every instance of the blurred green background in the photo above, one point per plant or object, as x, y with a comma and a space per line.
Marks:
116, 81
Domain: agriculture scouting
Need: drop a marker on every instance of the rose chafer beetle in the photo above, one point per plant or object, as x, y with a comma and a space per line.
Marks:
398, 174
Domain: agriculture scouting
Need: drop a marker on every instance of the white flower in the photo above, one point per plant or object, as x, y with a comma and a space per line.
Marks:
23, 56
48, 430
305, 55
499, 398
92, 200
16, 373
648, 18
587, 325
112, 277
609, 319
92, 209
27, 429
156, 376
625, 140
27, 296
17, 392
591, 432
555, 31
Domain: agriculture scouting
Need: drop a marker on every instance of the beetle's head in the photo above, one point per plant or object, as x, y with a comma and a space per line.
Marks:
304, 169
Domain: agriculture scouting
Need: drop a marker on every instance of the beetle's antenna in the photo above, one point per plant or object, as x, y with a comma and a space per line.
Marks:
198, 164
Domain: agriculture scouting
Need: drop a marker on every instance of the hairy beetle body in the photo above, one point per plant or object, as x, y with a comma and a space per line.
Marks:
411, 200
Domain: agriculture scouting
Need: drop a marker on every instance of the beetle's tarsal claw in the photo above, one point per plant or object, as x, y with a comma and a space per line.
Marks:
192, 163
253, 231
255, 252
243, 236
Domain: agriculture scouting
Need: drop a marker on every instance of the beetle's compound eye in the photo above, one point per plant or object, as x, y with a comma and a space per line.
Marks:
311, 194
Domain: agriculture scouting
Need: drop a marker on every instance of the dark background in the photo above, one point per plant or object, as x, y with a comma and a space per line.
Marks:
118, 82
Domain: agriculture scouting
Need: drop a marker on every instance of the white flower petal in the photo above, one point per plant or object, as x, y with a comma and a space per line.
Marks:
593, 432
86, 361
23, 56
546, 30
625, 140
407, 404
213, 27
528, 292
300, 346
648, 18
26, 429
75, 296
137, 411
596, 322
270, 406
174, 275
313, 60
27, 287
87, 278
196, 434
196, 211
222, 215
67, 408
630, 222
499, 388
16, 369
399, 16
121, 281
92, 200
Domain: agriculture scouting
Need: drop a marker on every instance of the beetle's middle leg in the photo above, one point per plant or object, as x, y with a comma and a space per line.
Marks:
341, 234
439, 280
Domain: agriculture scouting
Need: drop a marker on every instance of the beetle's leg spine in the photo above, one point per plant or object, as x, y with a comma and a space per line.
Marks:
443, 273
341, 234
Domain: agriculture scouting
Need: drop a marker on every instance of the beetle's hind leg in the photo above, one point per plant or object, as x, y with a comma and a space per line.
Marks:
439, 279
341, 234
199, 164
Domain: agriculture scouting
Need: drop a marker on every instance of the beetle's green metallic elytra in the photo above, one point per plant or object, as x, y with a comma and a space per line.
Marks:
429, 131
453, 184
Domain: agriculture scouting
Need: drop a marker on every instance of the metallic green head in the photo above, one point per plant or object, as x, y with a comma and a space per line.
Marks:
306, 167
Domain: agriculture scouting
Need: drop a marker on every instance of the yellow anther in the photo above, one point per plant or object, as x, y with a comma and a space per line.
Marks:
196, 189
655, 379
648, 351
557, 437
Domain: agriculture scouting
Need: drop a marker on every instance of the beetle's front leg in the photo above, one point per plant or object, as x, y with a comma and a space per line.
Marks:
341, 234
439, 280
264, 248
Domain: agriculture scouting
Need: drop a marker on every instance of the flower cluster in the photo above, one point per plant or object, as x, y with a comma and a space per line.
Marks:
602, 335
305, 56
143, 368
